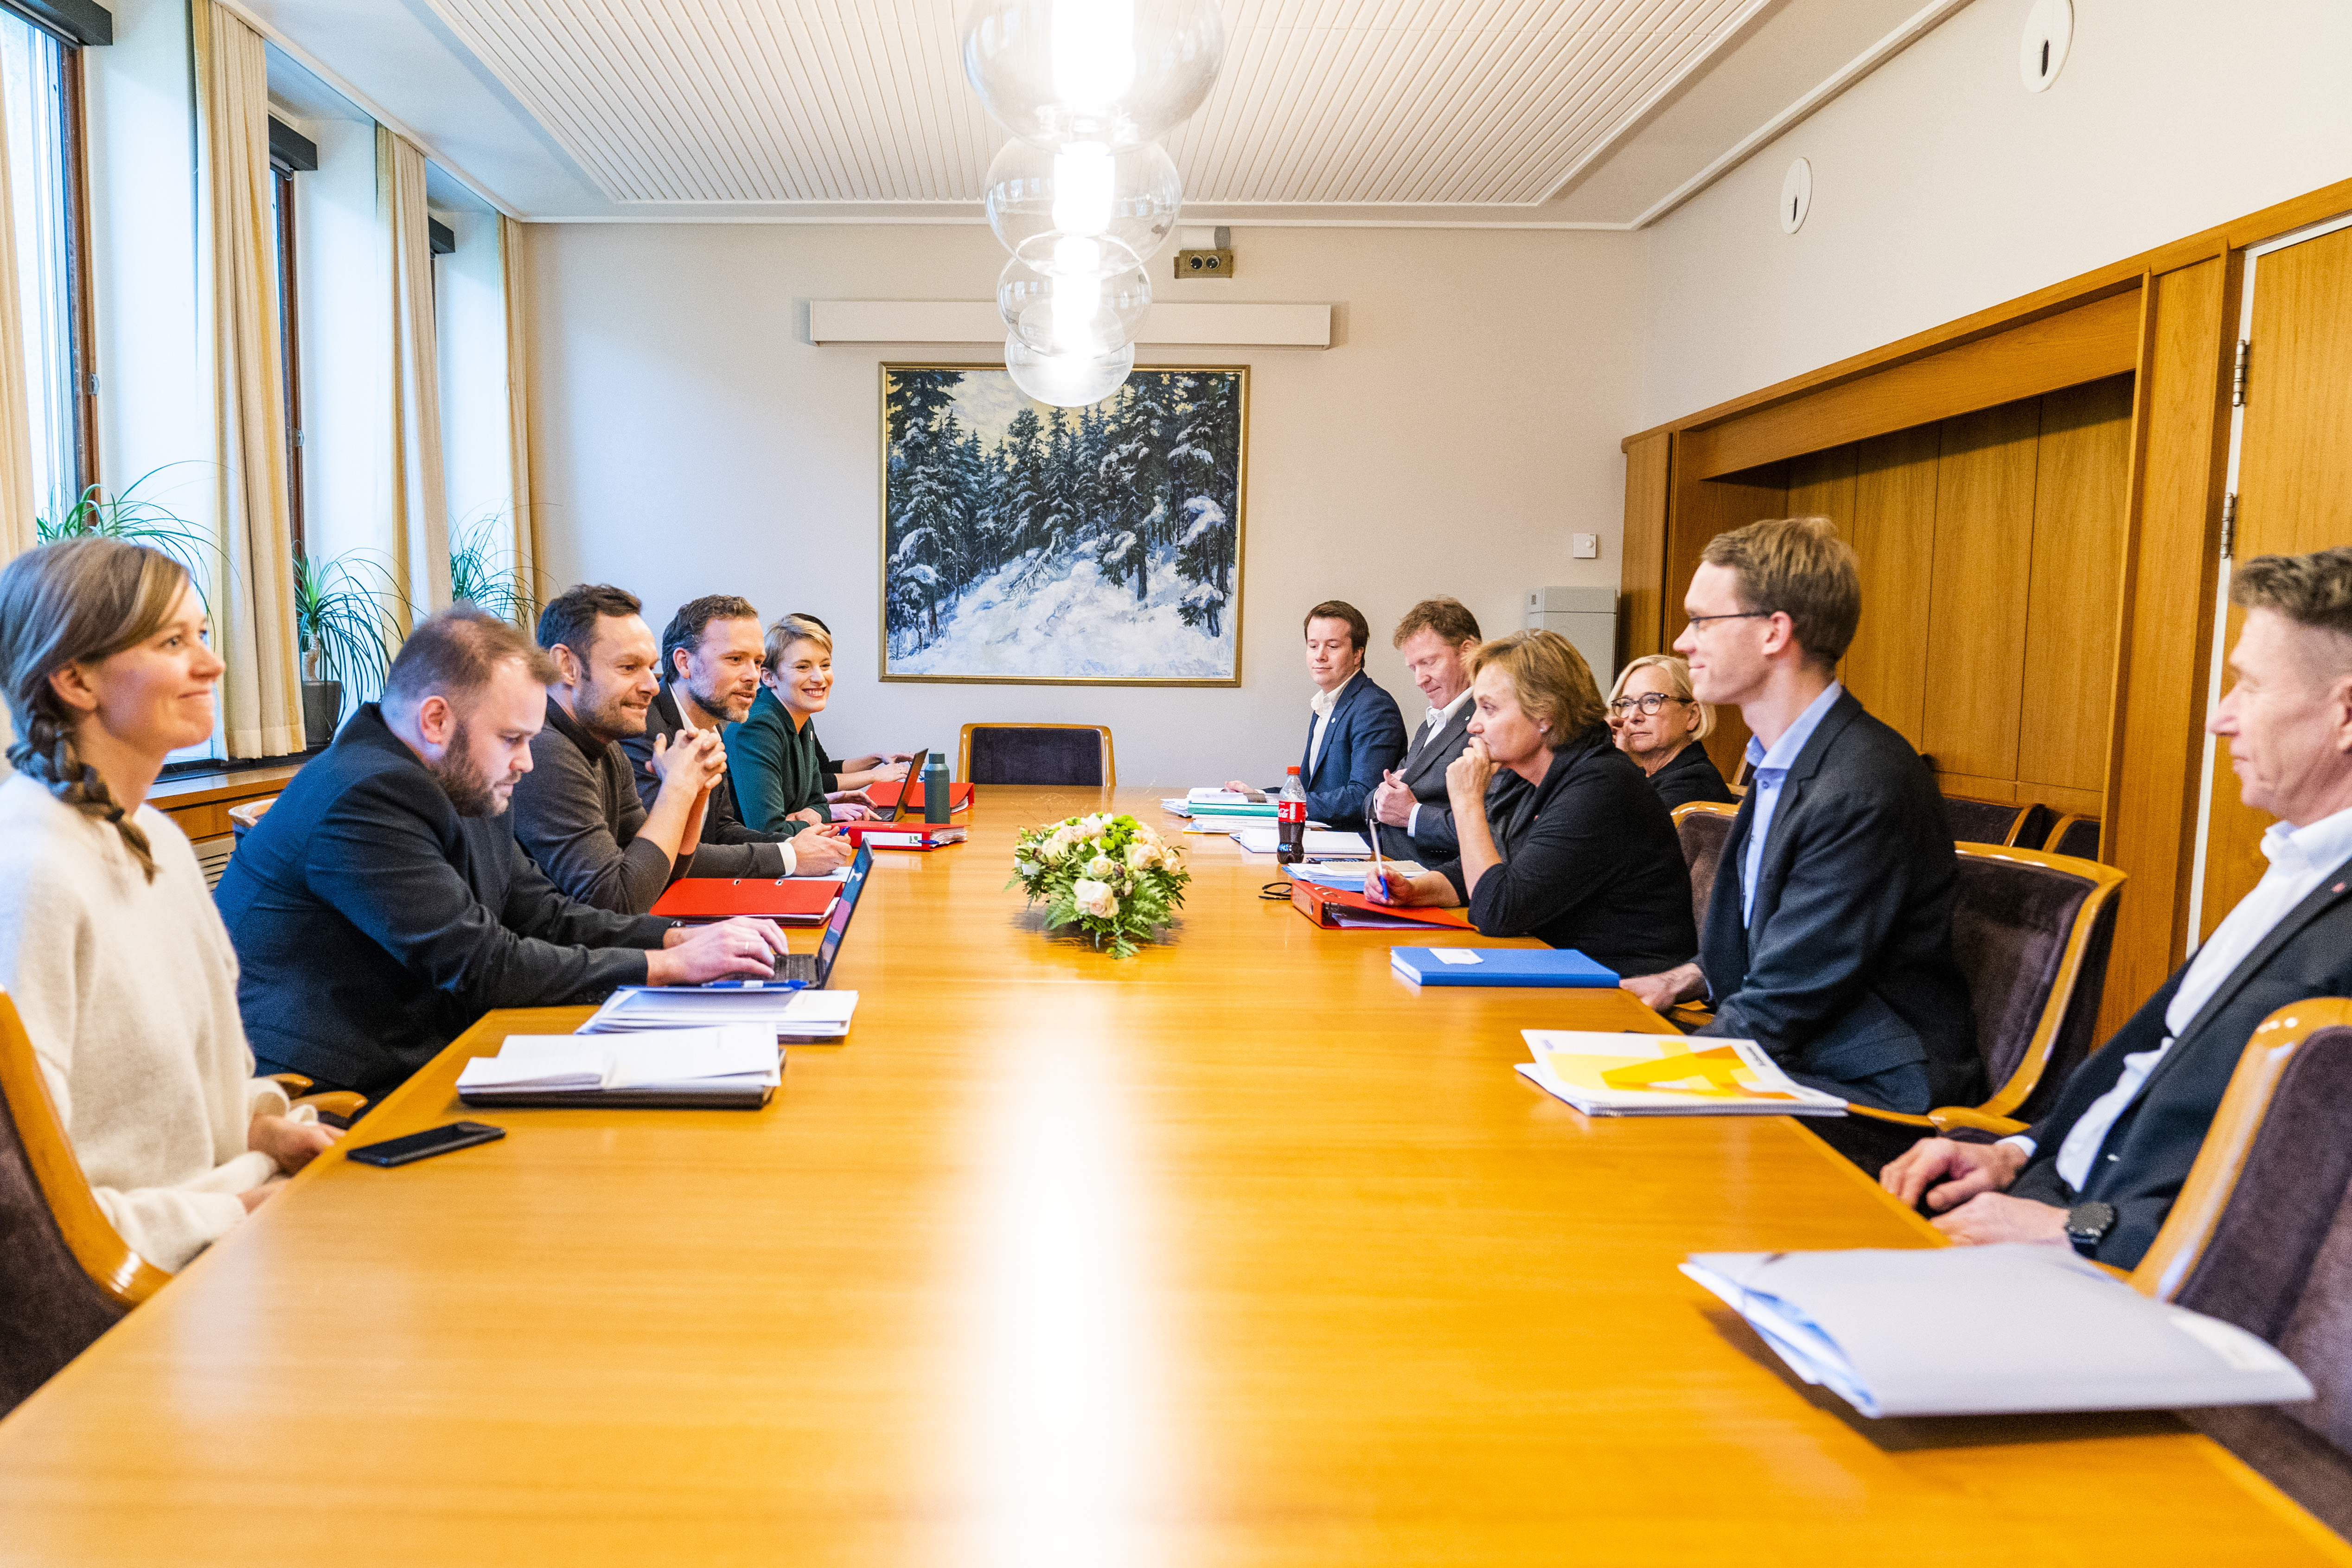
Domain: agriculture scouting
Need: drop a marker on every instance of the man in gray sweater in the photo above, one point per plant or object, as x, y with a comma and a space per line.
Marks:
577, 813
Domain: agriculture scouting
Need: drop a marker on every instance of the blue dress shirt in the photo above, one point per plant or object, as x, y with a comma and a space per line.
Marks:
1767, 771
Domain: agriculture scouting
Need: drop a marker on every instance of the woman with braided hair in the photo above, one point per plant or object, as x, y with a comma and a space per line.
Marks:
109, 944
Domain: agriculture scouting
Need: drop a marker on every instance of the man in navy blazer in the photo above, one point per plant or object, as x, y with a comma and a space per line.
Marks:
1828, 934
1354, 732
2102, 1169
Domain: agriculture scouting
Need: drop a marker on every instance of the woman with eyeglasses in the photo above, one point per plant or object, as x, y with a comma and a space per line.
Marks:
1659, 725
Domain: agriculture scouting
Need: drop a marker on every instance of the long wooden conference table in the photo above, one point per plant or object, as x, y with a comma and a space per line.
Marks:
1239, 1252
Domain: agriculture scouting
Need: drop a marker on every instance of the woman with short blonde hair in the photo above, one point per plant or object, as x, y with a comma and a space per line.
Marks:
1658, 723
772, 761
109, 944
1560, 838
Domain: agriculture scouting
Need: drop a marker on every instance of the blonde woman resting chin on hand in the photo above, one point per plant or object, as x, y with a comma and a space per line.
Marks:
109, 944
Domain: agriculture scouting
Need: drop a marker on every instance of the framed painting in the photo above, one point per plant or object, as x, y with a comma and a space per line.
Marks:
1023, 542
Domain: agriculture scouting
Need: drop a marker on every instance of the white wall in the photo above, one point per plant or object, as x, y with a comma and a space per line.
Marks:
1941, 186
1466, 422
470, 344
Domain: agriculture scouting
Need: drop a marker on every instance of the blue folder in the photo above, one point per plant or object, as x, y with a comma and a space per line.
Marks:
1500, 966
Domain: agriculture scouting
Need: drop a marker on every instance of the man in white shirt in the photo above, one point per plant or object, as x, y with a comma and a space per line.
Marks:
1436, 638
2102, 1169
1354, 733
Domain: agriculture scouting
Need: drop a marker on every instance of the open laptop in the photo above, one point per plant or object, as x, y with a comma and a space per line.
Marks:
814, 970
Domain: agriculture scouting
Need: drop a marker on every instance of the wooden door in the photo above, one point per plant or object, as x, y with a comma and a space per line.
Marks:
2294, 484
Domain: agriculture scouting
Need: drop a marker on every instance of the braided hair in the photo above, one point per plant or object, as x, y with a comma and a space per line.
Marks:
76, 602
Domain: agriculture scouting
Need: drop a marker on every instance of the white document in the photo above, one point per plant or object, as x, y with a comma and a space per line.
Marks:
786, 1014
1981, 1331
1177, 807
1263, 841
666, 1058
1211, 796
1666, 1075
1348, 878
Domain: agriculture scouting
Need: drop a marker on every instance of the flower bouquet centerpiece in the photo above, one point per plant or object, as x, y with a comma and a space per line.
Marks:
1112, 876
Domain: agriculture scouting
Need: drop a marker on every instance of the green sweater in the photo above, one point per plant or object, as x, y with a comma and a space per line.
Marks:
775, 768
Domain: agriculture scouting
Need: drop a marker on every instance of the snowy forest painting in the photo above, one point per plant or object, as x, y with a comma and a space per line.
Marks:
1023, 541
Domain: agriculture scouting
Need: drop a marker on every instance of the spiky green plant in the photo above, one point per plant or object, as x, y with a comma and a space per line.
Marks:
344, 620
129, 516
482, 572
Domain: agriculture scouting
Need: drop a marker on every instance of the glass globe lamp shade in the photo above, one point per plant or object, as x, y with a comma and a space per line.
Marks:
1119, 72
1066, 381
1074, 311
1085, 189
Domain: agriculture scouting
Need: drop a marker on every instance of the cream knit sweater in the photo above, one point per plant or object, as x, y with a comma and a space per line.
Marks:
129, 991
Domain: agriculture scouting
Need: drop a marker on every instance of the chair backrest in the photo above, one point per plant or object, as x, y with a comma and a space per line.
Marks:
1702, 825
66, 1275
2074, 835
2031, 933
246, 812
2261, 1236
1997, 821
1037, 754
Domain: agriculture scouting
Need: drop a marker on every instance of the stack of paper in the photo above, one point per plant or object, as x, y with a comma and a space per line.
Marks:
1982, 1330
1348, 876
718, 1067
1231, 803
1666, 1075
803, 1016
1265, 840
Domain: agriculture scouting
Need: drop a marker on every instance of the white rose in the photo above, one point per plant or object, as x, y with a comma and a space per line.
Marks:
1025, 868
1094, 898
1102, 865
1091, 825
1058, 847
1142, 857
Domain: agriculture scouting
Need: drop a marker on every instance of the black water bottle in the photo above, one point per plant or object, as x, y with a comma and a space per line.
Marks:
1290, 821
936, 797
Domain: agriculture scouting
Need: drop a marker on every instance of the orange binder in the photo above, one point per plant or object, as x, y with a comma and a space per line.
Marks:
791, 901
883, 797
1331, 905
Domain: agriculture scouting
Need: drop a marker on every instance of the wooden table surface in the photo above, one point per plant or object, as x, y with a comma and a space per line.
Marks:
1238, 1252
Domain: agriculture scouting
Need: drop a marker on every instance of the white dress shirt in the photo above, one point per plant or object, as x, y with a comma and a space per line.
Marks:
1324, 702
1767, 771
2299, 857
1436, 718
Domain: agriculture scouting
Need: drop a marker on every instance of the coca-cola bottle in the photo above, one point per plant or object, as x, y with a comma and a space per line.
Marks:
1290, 821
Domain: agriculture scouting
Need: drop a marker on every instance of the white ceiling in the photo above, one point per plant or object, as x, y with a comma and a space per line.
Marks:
1575, 112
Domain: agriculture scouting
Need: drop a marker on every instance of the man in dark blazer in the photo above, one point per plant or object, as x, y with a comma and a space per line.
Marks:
2102, 1169
1354, 733
1436, 638
383, 905
1828, 933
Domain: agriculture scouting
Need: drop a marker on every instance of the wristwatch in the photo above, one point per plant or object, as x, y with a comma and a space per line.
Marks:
2087, 1225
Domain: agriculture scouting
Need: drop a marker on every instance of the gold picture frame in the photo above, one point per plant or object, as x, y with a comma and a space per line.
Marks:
1209, 610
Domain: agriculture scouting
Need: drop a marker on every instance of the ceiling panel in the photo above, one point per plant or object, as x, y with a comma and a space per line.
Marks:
1346, 104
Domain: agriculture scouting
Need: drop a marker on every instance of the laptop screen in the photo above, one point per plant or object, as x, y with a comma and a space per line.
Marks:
907, 786
851, 886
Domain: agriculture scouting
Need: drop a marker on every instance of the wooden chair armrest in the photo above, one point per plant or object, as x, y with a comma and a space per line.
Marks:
1689, 1015
336, 1106
293, 1083
1901, 1118
1945, 1117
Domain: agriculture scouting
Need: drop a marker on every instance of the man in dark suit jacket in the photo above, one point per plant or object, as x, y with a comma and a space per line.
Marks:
2102, 1169
383, 905
1829, 934
1354, 734
1437, 637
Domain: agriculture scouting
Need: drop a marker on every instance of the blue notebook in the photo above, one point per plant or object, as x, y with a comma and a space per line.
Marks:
1497, 966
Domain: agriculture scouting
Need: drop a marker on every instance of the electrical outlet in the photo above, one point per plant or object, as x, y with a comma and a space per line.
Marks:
1205, 263
1584, 546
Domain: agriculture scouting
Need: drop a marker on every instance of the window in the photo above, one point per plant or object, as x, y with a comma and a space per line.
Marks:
41, 77
290, 153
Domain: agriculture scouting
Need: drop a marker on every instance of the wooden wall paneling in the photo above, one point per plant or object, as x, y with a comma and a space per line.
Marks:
1642, 557
2294, 484
2165, 632
1697, 510
1976, 612
2082, 482
2088, 343
1893, 532
1821, 484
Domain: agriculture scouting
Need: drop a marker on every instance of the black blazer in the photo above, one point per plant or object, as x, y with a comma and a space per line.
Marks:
2148, 1154
1423, 767
372, 923
1365, 739
1847, 968
722, 824
1590, 861
1691, 775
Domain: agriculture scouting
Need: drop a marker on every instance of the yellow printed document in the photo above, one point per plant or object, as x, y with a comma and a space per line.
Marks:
1666, 1075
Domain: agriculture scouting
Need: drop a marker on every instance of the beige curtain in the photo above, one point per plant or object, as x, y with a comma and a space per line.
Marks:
522, 516
16, 503
253, 610
414, 503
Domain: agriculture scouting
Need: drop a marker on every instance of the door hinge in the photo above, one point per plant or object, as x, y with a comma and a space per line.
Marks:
2229, 524
2238, 376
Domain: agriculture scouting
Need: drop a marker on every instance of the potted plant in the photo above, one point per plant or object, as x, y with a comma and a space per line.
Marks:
132, 518
343, 624
482, 573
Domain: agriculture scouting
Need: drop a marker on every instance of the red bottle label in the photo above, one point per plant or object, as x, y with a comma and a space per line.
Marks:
1290, 810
